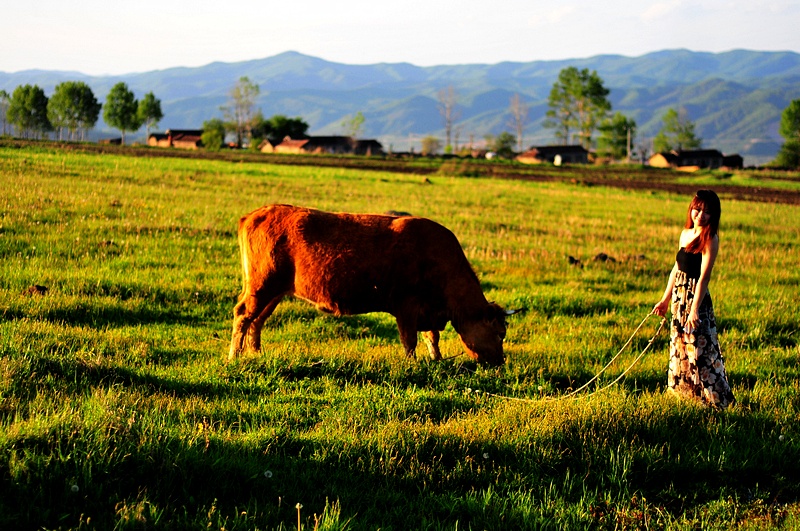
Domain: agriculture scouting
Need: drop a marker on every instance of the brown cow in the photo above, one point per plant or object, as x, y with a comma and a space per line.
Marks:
345, 264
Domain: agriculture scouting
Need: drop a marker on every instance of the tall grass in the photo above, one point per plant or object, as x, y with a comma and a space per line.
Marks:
117, 409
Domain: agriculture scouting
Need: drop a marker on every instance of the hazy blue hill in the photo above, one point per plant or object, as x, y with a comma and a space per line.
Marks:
735, 98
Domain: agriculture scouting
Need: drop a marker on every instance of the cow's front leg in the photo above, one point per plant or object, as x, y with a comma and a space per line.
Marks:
408, 335
431, 339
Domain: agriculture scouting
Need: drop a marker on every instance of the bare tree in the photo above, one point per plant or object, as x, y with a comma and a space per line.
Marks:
447, 108
240, 112
352, 127
5, 99
519, 118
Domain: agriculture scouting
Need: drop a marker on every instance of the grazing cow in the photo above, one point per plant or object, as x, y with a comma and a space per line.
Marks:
345, 264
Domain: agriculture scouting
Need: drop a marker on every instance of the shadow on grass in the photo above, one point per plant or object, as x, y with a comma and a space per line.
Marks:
97, 317
72, 375
67, 374
186, 478
770, 333
390, 482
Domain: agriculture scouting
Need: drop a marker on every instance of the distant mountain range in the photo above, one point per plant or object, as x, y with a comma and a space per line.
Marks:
734, 98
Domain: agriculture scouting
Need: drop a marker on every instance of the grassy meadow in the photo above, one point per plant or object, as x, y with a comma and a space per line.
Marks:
119, 411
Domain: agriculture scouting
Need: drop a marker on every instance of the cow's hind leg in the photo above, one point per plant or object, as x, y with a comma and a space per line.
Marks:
431, 339
249, 315
253, 340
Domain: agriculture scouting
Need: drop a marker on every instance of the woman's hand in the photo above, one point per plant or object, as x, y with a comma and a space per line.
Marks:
692, 321
661, 307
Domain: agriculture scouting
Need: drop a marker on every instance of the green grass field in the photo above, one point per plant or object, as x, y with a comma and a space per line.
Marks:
119, 411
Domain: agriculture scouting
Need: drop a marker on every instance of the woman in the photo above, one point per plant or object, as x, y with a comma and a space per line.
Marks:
696, 366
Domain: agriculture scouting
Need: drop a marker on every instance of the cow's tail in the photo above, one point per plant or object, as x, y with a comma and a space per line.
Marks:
245, 253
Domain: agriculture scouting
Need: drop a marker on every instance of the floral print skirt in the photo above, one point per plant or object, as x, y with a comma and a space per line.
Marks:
696, 365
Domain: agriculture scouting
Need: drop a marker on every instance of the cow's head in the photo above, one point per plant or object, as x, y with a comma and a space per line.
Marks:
483, 335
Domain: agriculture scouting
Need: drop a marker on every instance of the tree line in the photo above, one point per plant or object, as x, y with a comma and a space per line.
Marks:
578, 107
73, 110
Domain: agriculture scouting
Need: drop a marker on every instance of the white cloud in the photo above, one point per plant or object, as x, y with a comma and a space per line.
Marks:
558, 15
660, 9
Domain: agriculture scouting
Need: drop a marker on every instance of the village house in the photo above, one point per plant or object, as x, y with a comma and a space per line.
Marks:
368, 147
733, 162
693, 160
334, 145
266, 146
287, 146
177, 138
555, 155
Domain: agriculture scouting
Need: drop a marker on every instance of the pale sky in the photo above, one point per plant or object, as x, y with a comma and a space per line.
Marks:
105, 37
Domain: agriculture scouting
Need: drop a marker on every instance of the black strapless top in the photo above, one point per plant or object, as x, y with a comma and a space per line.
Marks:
689, 263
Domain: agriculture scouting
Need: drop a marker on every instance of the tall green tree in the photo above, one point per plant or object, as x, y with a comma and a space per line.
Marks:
617, 135
88, 108
282, 126
73, 107
240, 112
676, 133
213, 136
121, 110
578, 102
278, 127
260, 131
789, 154
503, 145
790, 121
149, 112
27, 111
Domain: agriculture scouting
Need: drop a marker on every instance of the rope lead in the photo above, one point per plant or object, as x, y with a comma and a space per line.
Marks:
573, 394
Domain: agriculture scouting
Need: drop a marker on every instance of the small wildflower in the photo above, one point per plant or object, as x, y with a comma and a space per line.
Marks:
298, 506
541, 388
780, 437
486, 455
268, 474
74, 488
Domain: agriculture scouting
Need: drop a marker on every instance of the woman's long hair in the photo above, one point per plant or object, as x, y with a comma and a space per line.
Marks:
707, 201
